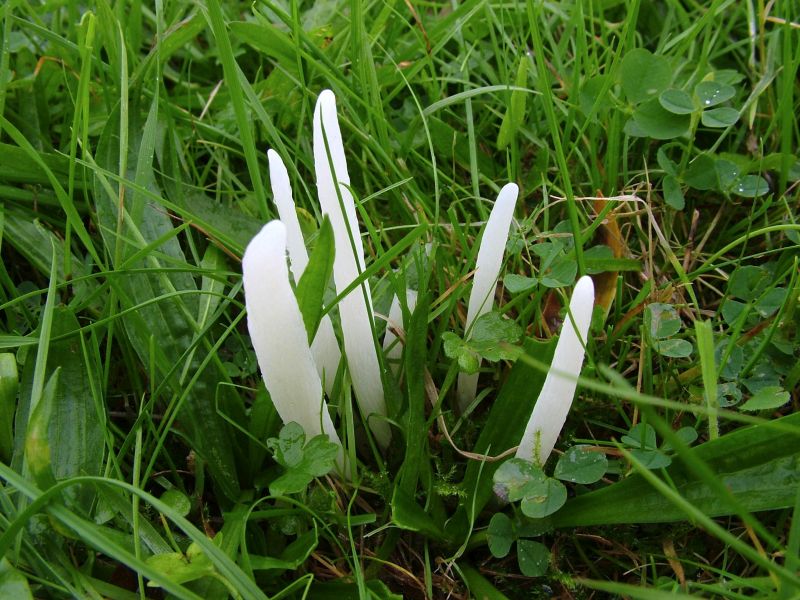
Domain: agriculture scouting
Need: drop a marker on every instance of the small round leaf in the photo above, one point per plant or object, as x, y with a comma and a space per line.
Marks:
673, 195
767, 398
517, 284
652, 459
592, 96
673, 348
701, 174
719, 117
663, 320
533, 557
543, 498
677, 102
727, 173
751, 186
644, 75
711, 93
581, 464
178, 501
500, 535
560, 273
641, 435
658, 123
512, 479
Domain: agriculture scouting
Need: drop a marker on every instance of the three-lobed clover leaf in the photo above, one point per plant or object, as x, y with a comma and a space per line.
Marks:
670, 117
302, 461
533, 557
493, 335
556, 270
492, 338
183, 568
513, 476
664, 323
707, 94
642, 439
540, 495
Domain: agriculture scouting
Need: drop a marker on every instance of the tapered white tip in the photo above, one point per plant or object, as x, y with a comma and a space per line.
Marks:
552, 407
282, 196
355, 309
391, 348
279, 336
324, 348
327, 98
263, 250
487, 270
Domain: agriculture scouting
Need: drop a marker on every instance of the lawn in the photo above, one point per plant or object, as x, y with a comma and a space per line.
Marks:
587, 207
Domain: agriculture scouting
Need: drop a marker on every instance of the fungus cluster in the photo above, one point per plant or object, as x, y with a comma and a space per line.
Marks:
297, 373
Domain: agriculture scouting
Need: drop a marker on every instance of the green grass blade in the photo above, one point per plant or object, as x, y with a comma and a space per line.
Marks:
216, 21
705, 348
754, 461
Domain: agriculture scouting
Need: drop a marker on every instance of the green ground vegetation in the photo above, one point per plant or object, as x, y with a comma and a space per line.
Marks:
655, 144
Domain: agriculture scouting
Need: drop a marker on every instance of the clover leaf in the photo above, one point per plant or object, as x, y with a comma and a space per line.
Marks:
492, 338
540, 495
302, 461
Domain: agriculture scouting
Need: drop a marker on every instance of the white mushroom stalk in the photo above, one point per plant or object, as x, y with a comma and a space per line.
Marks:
555, 399
279, 336
324, 348
355, 309
487, 269
392, 349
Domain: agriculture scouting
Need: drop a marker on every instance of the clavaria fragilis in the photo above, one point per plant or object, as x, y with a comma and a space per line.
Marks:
487, 269
279, 336
392, 349
355, 309
555, 399
324, 348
